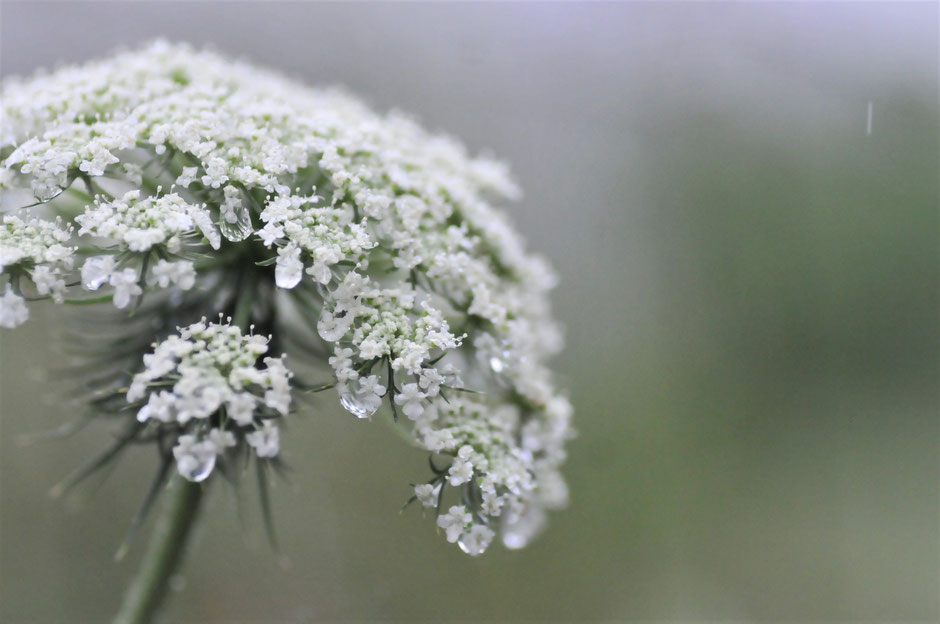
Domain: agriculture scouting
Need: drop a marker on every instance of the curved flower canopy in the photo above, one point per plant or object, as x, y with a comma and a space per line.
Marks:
178, 185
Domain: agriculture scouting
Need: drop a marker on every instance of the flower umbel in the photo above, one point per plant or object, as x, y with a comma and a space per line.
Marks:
218, 395
175, 185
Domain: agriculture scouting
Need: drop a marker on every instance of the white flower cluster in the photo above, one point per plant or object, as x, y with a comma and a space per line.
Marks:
37, 249
509, 466
322, 235
207, 381
385, 234
140, 224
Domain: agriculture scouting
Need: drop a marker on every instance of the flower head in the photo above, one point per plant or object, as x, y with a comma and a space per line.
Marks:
217, 390
357, 237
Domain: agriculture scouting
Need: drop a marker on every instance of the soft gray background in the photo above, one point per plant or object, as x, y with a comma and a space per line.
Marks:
749, 285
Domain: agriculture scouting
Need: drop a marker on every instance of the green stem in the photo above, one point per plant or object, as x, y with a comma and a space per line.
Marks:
245, 300
170, 537
163, 555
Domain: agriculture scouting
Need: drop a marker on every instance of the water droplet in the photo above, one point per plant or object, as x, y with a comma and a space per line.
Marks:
475, 541
235, 224
197, 468
95, 284
286, 277
355, 406
496, 364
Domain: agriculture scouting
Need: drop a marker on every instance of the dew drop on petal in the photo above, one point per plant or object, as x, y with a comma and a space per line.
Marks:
96, 283
286, 278
236, 224
354, 406
472, 547
199, 468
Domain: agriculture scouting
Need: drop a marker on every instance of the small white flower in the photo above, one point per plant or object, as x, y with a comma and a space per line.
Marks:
182, 273
48, 282
320, 272
241, 407
460, 472
97, 271
216, 169
427, 494
159, 406
194, 459
430, 381
187, 176
454, 522
220, 439
410, 399
125, 287
13, 310
370, 349
331, 328
475, 541
289, 269
370, 393
265, 441
134, 173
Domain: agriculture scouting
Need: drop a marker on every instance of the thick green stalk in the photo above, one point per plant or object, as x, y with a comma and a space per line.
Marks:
171, 535
164, 554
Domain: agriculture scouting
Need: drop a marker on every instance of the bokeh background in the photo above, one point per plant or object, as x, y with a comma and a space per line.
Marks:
749, 281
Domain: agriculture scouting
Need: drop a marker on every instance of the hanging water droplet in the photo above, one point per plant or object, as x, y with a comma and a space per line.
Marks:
235, 221
196, 468
237, 231
288, 269
286, 277
97, 271
475, 541
95, 284
355, 406
496, 364
465, 546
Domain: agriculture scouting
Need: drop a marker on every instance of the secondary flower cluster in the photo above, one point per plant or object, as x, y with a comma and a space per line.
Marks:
207, 381
37, 249
383, 237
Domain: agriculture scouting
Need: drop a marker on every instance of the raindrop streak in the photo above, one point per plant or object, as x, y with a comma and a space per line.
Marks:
201, 468
354, 406
871, 110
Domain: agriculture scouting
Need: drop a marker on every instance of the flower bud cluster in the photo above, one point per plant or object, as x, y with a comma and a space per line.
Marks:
139, 224
206, 381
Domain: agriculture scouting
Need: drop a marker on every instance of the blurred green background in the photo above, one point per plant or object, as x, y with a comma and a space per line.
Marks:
750, 290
